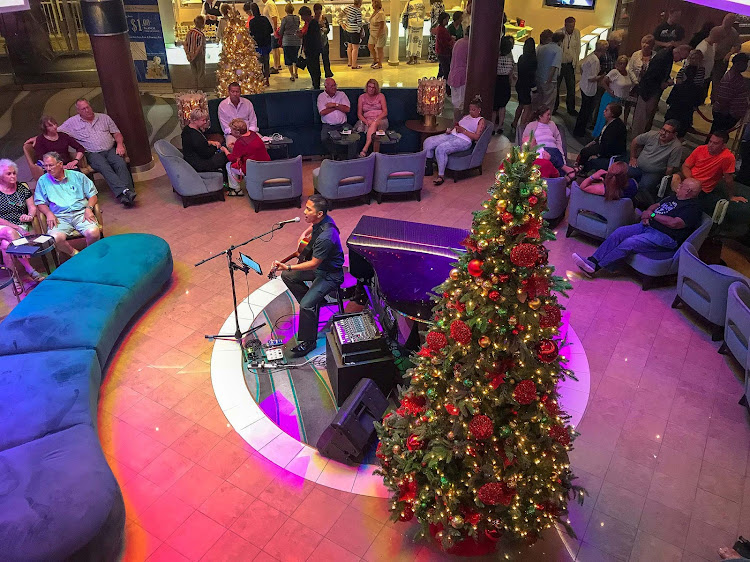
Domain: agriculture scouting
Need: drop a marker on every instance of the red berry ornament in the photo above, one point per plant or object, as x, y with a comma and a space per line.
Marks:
560, 434
551, 316
494, 295
496, 493
481, 427
460, 332
436, 341
451, 409
407, 514
525, 392
546, 351
524, 255
413, 443
475, 268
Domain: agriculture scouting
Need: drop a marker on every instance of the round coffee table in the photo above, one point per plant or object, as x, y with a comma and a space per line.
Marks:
350, 141
441, 124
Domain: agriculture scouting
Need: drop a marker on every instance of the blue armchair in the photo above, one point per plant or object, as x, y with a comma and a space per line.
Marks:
186, 182
704, 288
345, 180
557, 199
592, 215
398, 173
652, 265
471, 158
277, 180
737, 323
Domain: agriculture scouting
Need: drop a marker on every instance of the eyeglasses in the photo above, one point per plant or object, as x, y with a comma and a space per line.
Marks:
667, 131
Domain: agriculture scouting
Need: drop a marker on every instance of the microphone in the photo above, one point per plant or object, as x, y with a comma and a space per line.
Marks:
282, 223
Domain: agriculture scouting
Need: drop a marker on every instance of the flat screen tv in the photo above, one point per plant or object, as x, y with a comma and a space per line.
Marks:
578, 4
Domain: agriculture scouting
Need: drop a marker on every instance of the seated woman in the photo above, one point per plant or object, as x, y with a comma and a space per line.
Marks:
372, 112
611, 141
546, 133
17, 210
613, 183
202, 154
459, 138
52, 140
248, 146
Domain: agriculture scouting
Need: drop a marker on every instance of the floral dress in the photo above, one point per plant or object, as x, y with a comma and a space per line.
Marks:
437, 8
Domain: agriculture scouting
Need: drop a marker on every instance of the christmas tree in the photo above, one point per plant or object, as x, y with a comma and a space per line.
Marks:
238, 61
478, 449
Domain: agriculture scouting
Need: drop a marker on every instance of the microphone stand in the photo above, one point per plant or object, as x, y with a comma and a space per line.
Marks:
238, 334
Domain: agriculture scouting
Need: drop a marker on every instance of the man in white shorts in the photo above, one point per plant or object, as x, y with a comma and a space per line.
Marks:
66, 198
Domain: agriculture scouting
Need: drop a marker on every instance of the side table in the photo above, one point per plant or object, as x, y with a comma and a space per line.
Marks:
441, 124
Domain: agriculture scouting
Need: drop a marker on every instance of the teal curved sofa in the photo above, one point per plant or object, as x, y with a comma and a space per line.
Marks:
58, 497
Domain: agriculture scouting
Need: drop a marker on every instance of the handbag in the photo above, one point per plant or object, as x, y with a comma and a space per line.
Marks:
301, 60
405, 21
742, 546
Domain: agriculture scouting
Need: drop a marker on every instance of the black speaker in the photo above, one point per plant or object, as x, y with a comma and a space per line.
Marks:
346, 439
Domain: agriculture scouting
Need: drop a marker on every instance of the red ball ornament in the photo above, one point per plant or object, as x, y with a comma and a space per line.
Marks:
481, 427
475, 268
551, 316
507, 217
560, 434
413, 443
524, 255
496, 493
460, 332
546, 351
436, 341
494, 295
407, 491
525, 392
407, 514
451, 409
533, 200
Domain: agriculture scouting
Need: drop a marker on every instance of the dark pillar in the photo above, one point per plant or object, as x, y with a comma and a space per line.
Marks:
484, 47
107, 27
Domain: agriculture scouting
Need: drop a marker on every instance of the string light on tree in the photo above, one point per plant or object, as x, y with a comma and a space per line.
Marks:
238, 61
477, 452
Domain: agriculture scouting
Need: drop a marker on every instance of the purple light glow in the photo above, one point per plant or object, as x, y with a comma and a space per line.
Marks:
741, 7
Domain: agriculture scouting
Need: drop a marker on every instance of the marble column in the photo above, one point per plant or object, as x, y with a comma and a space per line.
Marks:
106, 24
393, 42
484, 47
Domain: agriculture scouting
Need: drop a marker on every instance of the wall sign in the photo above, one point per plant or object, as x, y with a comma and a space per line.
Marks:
147, 41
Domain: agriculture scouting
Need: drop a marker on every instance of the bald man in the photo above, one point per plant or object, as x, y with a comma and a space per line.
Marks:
664, 226
333, 107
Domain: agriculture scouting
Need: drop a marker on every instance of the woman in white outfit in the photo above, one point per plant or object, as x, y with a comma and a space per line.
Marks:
459, 138
414, 11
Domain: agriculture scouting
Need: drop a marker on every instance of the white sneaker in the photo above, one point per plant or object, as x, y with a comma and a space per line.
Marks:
584, 265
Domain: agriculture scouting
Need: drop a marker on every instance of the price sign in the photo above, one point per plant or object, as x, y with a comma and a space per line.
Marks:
147, 41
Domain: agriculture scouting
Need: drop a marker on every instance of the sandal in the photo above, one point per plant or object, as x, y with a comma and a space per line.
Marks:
291, 78
36, 276
356, 67
439, 180
234, 193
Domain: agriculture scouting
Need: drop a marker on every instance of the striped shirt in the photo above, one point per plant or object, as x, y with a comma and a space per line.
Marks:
96, 135
353, 17
504, 65
195, 42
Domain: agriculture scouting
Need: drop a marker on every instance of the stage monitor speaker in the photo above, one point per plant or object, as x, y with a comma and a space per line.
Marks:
350, 432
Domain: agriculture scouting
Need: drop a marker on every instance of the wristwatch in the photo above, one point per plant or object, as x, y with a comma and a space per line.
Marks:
288, 267
653, 215
89, 207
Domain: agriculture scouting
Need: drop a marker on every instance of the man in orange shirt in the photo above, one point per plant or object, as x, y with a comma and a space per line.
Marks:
709, 164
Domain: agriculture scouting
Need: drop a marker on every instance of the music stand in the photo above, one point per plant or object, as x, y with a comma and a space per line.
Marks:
238, 335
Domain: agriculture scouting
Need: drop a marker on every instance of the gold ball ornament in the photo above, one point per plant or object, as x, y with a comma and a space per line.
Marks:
500, 205
512, 320
537, 190
482, 244
500, 240
457, 521
487, 284
484, 342
454, 274
495, 279
396, 449
534, 304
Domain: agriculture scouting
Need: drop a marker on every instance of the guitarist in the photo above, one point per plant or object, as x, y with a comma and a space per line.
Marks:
322, 263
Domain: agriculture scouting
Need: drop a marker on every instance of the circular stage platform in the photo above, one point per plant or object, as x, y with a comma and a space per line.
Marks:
282, 413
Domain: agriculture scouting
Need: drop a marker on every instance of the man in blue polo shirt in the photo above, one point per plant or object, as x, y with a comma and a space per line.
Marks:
66, 198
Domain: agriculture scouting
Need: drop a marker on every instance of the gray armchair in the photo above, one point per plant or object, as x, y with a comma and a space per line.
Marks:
737, 324
557, 199
592, 215
186, 182
704, 288
398, 173
345, 180
652, 265
471, 158
277, 180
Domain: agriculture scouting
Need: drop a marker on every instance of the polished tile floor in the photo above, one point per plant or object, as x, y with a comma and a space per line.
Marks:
663, 449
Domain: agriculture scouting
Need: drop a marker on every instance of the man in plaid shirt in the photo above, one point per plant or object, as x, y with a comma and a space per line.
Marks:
730, 97
195, 50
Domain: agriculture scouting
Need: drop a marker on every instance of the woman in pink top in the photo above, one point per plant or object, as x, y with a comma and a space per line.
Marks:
457, 75
372, 112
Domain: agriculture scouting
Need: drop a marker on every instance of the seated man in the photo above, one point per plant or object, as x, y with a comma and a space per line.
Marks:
333, 107
710, 164
663, 227
236, 107
66, 198
653, 155
105, 148
322, 263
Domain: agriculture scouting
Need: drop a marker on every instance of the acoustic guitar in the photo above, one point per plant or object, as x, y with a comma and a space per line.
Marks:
303, 252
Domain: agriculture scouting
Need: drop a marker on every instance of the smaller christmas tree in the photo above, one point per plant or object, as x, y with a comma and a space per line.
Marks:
239, 59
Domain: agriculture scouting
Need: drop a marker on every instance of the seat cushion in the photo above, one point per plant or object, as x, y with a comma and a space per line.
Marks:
101, 313
59, 500
148, 263
46, 392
